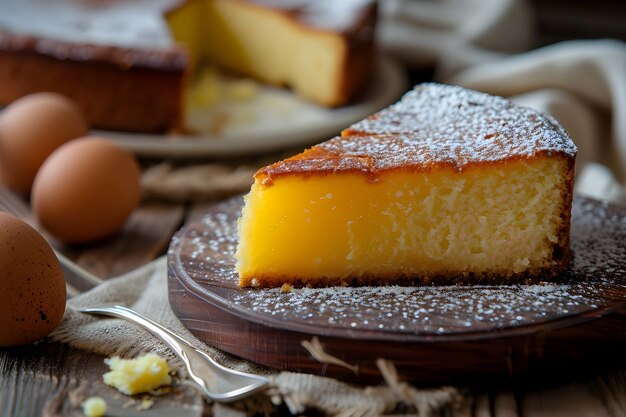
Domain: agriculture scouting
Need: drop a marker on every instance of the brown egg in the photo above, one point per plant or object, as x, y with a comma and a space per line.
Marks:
86, 190
30, 129
32, 287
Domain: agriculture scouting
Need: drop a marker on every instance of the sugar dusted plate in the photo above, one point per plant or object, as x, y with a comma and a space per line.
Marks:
444, 334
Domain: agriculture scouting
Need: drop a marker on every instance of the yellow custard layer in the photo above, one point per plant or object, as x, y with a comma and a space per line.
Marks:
488, 219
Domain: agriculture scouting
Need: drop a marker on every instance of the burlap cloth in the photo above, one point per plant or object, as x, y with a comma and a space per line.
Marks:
582, 84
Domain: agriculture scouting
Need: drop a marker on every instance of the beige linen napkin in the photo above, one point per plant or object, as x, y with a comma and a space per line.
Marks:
145, 290
208, 181
422, 33
583, 85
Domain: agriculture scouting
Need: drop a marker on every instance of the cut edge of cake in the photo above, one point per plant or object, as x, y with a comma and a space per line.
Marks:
341, 51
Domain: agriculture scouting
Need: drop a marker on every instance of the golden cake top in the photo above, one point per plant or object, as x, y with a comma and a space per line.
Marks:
123, 24
126, 33
433, 125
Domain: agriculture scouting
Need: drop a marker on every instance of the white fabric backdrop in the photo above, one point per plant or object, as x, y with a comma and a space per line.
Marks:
478, 44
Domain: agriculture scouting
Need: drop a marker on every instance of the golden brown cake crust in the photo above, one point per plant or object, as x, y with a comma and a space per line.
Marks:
434, 125
561, 253
117, 88
359, 62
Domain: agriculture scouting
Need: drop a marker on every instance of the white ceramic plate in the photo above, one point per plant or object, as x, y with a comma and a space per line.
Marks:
275, 119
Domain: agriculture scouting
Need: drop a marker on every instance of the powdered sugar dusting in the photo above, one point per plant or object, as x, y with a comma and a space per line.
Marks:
436, 124
334, 15
595, 281
429, 309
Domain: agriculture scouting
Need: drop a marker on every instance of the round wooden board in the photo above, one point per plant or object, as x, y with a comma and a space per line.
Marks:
446, 334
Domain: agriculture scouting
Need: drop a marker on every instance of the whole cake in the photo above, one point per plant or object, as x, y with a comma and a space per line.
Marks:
127, 62
448, 185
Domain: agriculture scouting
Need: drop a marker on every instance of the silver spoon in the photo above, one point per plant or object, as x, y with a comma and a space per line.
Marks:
215, 381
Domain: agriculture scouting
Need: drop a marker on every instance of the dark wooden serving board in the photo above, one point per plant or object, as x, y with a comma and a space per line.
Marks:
447, 334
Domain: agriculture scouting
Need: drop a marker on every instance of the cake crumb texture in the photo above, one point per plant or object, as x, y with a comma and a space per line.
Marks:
94, 407
133, 376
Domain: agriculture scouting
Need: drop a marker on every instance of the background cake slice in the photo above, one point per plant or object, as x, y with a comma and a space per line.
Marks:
447, 186
129, 63
322, 49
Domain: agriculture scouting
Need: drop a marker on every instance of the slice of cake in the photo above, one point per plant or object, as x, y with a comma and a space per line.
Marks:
447, 186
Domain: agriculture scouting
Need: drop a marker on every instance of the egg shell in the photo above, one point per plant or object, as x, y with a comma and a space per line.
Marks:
86, 190
31, 128
32, 287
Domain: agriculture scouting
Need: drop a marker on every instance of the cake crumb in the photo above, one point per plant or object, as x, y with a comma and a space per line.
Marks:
129, 403
133, 376
94, 407
286, 288
145, 404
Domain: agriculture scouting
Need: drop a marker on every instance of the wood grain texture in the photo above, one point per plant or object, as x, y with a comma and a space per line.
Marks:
51, 379
145, 236
519, 341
